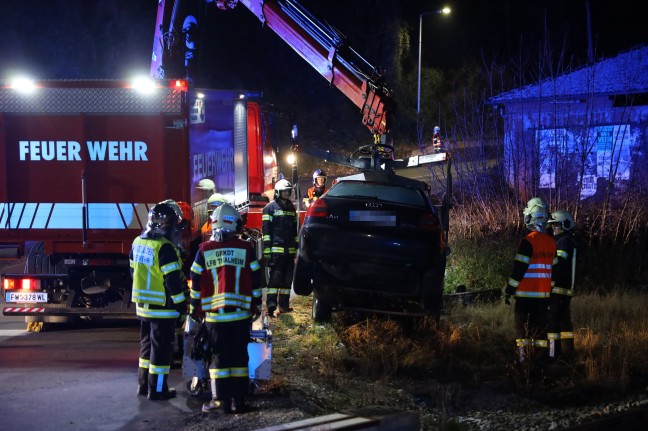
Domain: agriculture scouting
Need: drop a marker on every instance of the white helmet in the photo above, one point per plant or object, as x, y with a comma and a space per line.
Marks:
226, 221
563, 218
206, 184
280, 186
537, 201
214, 201
536, 218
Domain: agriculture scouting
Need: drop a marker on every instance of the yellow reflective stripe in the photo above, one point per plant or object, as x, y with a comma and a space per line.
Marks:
566, 335
266, 238
144, 363
266, 217
562, 253
267, 250
239, 372
553, 336
159, 369
284, 291
227, 317
562, 291
523, 294
257, 293
156, 314
254, 265
520, 342
513, 283
540, 343
197, 268
555, 261
149, 296
177, 299
219, 373
282, 213
170, 267
195, 294
277, 249
292, 250
522, 258
271, 291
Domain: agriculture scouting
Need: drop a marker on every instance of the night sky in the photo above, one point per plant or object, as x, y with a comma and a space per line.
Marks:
72, 39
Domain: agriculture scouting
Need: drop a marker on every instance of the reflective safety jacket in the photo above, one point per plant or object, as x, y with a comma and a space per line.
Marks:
531, 275
280, 228
564, 265
158, 282
225, 281
316, 192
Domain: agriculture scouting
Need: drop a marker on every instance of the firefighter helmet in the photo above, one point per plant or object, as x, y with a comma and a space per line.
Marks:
537, 201
182, 219
563, 218
214, 201
280, 186
226, 221
437, 130
536, 218
206, 184
162, 219
318, 174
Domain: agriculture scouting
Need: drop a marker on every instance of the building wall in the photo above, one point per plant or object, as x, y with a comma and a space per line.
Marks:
574, 148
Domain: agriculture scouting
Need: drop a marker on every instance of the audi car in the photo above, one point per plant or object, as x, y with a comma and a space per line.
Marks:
374, 242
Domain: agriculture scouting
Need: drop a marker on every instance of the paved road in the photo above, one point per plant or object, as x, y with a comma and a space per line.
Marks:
78, 377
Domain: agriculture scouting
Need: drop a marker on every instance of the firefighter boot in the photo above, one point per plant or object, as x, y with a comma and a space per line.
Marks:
272, 306
158, 387
215, 404
284, 303
239, 405
142, 381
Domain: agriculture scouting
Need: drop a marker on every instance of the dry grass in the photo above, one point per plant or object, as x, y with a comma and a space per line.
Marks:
473, 344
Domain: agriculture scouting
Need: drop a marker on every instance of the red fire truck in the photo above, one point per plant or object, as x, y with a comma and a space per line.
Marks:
83, 161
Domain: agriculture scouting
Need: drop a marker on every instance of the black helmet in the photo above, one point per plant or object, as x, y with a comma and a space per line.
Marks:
162, 219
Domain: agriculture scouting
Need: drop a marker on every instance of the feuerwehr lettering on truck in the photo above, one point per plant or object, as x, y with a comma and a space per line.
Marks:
71, 150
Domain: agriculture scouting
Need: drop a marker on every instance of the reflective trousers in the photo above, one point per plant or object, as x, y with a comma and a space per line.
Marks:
156, 351
281, 273
229, 360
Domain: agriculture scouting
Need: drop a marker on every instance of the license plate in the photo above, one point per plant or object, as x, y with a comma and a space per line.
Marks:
374, 218
26, 297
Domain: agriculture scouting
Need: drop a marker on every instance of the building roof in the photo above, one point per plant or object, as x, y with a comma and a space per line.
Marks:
627, 73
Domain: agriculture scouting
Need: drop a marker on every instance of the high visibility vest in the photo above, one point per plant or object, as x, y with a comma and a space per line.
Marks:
148, 276
536, 282
226, 283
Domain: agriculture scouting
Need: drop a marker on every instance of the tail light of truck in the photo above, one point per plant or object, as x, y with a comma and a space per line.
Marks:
21, 284
318, 209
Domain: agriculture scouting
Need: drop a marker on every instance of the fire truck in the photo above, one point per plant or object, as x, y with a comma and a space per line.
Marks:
84, 161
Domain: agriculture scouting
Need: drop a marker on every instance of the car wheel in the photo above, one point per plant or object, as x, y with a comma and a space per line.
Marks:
302, 278
321, 311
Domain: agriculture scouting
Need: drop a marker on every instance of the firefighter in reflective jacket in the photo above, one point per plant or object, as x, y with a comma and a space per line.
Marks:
561, 335
280, 246
530, 283
159, 291
318, 189
225, 286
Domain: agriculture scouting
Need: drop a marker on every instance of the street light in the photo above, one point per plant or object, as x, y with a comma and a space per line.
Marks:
445, 11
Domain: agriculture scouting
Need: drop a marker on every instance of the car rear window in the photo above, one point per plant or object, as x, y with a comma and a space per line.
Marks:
383, 192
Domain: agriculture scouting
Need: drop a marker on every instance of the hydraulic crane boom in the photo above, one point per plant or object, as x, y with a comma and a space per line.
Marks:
323, 47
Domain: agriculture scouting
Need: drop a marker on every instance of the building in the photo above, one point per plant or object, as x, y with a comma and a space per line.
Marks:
581, 135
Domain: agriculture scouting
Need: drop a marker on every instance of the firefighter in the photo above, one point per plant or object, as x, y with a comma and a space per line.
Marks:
437, 144
280, 246
158, 290
226, 288
561, 335
318, 189
530, 283
214, 201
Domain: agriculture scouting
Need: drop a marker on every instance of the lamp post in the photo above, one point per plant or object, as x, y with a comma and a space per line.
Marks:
444, 11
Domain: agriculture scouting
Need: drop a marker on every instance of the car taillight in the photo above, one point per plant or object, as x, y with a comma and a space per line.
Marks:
8, 284
428, 222
318, 209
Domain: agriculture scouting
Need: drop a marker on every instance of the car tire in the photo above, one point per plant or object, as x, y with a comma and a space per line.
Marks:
321, 311
302, 278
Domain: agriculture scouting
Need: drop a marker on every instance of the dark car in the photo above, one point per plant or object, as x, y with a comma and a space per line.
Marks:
373, 242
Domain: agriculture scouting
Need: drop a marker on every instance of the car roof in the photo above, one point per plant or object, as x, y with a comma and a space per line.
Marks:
386, 178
